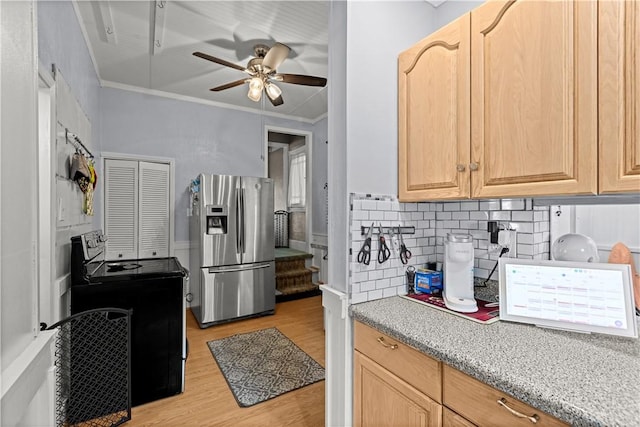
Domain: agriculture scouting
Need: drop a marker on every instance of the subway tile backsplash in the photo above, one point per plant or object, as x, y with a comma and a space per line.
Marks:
432, 222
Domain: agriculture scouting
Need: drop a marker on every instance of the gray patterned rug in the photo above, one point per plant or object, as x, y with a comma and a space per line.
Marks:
263, 364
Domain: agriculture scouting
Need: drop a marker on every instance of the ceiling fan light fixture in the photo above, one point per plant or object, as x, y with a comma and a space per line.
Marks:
273, 91
255, 89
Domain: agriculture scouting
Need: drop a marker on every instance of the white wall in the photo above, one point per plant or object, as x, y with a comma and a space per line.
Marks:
376, 33
26, 356
61, 43
320, 170
452, 9
18, 179
201, 138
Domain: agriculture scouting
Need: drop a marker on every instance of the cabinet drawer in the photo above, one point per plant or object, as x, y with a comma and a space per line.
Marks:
412, 366
478, 402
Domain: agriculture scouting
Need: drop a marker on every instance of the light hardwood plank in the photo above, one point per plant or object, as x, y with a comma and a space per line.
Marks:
208, 401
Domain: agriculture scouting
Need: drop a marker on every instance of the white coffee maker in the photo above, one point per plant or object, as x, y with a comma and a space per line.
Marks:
458, 273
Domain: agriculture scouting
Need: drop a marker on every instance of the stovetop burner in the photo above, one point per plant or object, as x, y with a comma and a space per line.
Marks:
119, 266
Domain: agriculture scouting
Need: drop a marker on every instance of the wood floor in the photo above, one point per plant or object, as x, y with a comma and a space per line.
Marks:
208, 401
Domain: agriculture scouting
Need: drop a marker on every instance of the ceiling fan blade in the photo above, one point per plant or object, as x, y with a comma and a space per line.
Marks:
274, 57
276, 101
218, 61
228, 85
300, 79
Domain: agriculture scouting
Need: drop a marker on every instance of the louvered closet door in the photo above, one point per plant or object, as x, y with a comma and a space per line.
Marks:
153, 239
121, 216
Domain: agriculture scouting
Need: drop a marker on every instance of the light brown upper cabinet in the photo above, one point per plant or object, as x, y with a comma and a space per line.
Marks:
529, 111
618, 95
433, 80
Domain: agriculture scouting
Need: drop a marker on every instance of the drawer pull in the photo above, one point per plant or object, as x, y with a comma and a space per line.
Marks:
384, 344
503, 402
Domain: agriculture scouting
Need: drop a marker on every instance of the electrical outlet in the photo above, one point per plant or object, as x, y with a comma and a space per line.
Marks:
507, 239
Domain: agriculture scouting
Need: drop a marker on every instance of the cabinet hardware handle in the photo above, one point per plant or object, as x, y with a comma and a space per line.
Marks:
384, 344
473, 166
503, 402
460, 168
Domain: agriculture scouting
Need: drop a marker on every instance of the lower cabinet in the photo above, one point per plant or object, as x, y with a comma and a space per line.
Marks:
396, 385
383, 399
451, 419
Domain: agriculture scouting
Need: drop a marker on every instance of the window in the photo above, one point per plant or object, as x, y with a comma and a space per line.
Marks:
297, 178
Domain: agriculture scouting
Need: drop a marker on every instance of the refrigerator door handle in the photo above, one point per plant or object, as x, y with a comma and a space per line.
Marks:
233, 269
243, 219
238, 232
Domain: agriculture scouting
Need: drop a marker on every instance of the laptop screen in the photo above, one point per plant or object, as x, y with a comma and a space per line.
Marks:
584, 297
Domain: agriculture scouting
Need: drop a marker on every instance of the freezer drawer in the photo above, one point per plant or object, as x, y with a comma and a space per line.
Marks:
238, 291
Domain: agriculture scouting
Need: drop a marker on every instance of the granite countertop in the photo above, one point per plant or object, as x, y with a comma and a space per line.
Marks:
584, 380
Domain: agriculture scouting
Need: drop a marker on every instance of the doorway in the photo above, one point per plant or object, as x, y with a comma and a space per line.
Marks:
289, 164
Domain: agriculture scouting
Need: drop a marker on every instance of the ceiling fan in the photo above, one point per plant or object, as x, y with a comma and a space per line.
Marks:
263, 74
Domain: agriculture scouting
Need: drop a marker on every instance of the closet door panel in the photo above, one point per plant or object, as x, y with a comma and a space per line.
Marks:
153, 207
121, 213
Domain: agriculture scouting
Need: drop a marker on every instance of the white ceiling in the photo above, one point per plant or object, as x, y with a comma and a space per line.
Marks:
149, 45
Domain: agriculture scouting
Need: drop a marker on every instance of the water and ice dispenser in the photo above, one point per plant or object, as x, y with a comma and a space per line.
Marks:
217, 219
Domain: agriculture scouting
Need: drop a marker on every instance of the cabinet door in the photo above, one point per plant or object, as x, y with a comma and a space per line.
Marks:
451, 419
382, 399
433, 115
618, 96
533, 91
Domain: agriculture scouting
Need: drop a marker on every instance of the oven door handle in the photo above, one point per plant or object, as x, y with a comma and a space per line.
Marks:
236, 269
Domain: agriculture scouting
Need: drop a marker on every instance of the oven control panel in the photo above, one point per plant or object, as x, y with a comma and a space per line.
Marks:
93, 244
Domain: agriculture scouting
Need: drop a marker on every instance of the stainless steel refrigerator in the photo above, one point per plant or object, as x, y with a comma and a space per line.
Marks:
232, 248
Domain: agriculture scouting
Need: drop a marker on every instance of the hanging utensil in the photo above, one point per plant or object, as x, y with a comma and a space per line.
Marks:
405, 254
383, 250
364, 256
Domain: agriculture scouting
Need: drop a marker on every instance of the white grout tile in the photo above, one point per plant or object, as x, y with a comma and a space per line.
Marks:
376, 215
525, 249
367, 286
522, 215
526, 238
383, 205
469, 224
436, 207
396, 281
429, 215
423, 207
410, 207
376, 274
443, 215
469, 206
451, 224
417, 215
423, 224
482, 215
391, 216
490, 205
463, 215
389, 292
500, 215
360, 215
383, 283
361, 276
373, 295
358, 298
452, 206
369, 205
512, 204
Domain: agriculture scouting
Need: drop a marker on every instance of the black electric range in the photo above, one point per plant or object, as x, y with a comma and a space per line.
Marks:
154, 290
